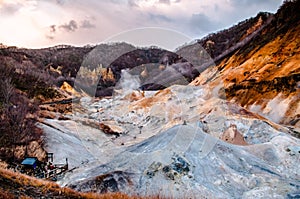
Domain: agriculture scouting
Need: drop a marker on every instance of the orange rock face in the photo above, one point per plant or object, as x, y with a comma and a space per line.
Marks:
263, 76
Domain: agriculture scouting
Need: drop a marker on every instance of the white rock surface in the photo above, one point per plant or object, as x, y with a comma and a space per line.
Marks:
157, 154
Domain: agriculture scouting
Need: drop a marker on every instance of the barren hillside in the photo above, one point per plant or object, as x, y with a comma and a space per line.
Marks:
264, 75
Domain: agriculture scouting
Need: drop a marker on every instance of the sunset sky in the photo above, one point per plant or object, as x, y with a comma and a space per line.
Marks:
43, 23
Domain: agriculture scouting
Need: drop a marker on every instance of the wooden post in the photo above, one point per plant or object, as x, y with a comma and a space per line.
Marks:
67, 164
50, 157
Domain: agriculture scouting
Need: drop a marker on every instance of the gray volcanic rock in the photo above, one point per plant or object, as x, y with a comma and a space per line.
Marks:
186, 162
181, 142
79, 143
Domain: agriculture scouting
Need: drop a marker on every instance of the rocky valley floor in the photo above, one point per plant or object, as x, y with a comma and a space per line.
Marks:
180, 142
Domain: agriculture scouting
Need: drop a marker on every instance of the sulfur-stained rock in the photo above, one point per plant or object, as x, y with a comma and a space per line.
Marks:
232, 136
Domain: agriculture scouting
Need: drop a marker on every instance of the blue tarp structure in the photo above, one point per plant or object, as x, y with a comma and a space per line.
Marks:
32, 162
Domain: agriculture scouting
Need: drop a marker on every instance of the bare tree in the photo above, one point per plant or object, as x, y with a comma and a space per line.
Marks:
17, 118
6, 90
17, 128
6, 85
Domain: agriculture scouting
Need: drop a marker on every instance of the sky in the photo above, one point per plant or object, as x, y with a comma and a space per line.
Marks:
44, 23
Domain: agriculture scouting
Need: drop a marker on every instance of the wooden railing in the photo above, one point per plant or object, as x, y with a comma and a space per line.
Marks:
59, 169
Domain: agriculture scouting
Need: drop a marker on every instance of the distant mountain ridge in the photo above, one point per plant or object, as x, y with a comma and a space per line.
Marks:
216, 43
64, 61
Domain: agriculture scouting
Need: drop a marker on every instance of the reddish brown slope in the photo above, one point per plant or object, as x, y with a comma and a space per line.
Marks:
264, 75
